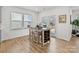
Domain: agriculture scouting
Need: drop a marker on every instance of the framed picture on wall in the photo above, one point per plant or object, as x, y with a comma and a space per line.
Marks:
62, 19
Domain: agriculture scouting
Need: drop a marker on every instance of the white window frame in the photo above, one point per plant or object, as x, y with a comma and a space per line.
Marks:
23, 27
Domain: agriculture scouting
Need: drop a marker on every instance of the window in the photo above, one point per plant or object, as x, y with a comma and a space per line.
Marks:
27, 20
16, 20
20, 21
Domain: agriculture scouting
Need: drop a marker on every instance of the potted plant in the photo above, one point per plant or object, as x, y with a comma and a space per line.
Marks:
76, 24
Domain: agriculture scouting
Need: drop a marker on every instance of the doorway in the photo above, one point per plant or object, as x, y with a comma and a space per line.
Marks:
50, 22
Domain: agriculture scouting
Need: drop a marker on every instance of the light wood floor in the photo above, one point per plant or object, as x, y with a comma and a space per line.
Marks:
24, 45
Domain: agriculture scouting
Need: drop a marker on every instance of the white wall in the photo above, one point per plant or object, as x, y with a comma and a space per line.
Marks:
63, 30
7, 33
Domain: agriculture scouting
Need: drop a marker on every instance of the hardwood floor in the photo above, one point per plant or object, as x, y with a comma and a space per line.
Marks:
24, 45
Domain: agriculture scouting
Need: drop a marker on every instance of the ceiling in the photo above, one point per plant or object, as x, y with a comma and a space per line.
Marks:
38, 8
74, 8
44, 8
